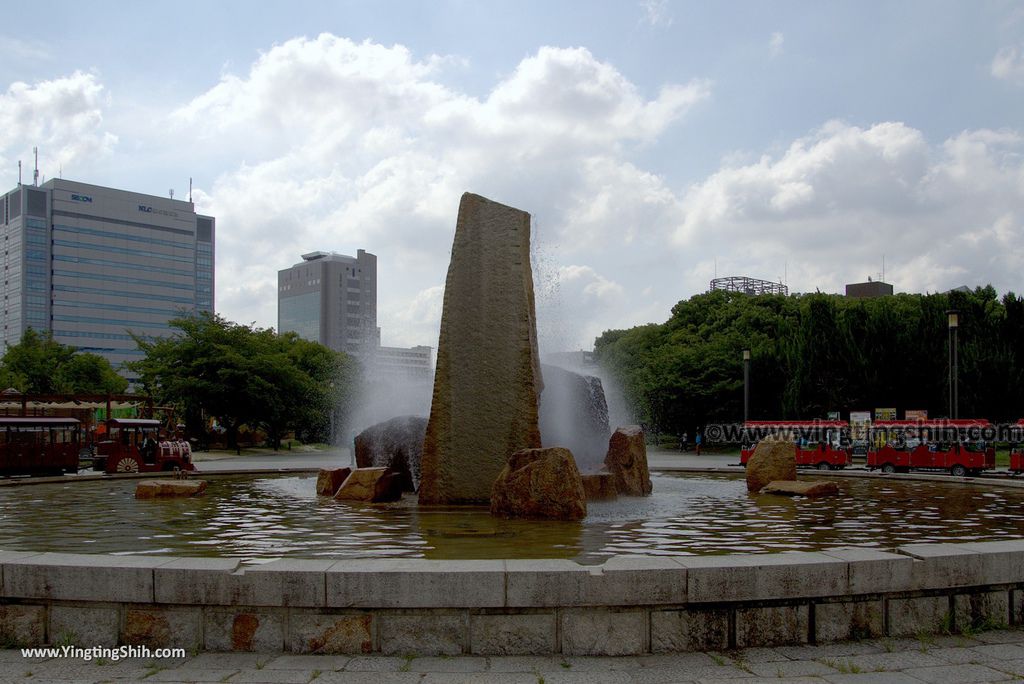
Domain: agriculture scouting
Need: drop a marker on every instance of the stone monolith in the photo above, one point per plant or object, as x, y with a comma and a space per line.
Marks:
488, 379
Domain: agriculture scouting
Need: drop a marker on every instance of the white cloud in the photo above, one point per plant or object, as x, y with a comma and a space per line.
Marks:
351, 145
63, 117
325, 143
656, 12
1008, 64
775, 44
837, 200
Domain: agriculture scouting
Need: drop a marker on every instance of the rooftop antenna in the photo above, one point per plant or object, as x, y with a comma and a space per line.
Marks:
170, 193
190, 189
35, 174
883, 268
60, 171
19, 173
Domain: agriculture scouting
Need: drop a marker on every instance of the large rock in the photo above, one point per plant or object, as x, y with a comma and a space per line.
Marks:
488, 378
600, 487
801, 488
540, 483
627, 461
574, 415
772, 460
153, 489
370, 485
328, 481
396, 444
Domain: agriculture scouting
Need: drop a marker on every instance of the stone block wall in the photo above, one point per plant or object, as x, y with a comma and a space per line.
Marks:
628, 605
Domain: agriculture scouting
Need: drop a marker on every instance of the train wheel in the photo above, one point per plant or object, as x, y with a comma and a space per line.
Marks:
958, 470
127, 465
824, 466
888, 468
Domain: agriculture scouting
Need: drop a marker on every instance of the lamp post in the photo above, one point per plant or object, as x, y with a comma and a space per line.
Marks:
953, 318
746, 385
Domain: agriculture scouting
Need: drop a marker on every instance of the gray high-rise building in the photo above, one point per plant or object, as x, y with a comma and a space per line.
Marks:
91, 264
331, 299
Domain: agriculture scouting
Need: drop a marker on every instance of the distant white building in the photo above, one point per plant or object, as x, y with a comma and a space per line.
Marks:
404, 363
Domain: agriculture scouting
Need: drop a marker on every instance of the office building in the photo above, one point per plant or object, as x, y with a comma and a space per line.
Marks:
404, 363
868, 290
91, 264
331, 299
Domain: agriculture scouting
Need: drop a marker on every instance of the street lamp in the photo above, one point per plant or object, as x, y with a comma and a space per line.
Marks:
953, 317
746, 384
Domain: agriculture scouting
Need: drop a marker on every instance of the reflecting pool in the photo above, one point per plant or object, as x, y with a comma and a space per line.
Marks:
262, 517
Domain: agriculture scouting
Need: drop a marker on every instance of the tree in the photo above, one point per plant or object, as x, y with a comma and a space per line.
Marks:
816, 353
242, 374
40, 365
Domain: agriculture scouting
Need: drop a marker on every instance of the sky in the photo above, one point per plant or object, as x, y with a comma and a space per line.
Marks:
656, 144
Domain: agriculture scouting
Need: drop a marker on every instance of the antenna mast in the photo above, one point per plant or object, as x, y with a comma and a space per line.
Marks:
19, 173
190, 189
35, 174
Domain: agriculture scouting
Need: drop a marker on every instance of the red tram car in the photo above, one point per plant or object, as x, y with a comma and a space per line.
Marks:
821, 444
1017, 449
956, 446
133, 445
33, 445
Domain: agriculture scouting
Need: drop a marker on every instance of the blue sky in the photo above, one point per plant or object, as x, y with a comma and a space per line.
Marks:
655, 143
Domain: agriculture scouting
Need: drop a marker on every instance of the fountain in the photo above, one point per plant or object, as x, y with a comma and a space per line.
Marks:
285, 570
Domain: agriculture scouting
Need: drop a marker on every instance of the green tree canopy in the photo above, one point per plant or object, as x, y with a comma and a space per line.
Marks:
40, 365
816, 353
242, 374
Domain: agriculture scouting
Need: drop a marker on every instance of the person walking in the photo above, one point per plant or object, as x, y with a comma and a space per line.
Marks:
697, 441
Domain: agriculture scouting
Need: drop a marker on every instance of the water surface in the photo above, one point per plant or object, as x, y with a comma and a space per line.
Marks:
262, 517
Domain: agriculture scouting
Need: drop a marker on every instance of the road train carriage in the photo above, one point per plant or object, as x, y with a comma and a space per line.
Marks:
956, 446
39, 445
1017, 449
133, 445
821, 444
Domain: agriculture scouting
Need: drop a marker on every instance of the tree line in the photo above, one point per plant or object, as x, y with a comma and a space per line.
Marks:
209, 369
812, 354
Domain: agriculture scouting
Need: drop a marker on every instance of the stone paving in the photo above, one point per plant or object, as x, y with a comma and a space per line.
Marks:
995, 656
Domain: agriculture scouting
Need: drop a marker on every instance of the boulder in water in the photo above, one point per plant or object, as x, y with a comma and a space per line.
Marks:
801, 488
599, 486
370, 485
574, 415
328, 481
773, 459
627, 461
153, 489
396, 444
540, 483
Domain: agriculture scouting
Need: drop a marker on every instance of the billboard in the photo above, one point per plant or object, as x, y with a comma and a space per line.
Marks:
885, 414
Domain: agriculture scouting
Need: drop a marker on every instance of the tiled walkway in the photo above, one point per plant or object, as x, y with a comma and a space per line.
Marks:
987, 657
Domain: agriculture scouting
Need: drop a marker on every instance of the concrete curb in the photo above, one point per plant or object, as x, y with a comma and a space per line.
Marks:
628, 605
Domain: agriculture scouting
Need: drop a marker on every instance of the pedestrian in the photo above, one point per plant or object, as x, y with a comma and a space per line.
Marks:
696, 441
684, 441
